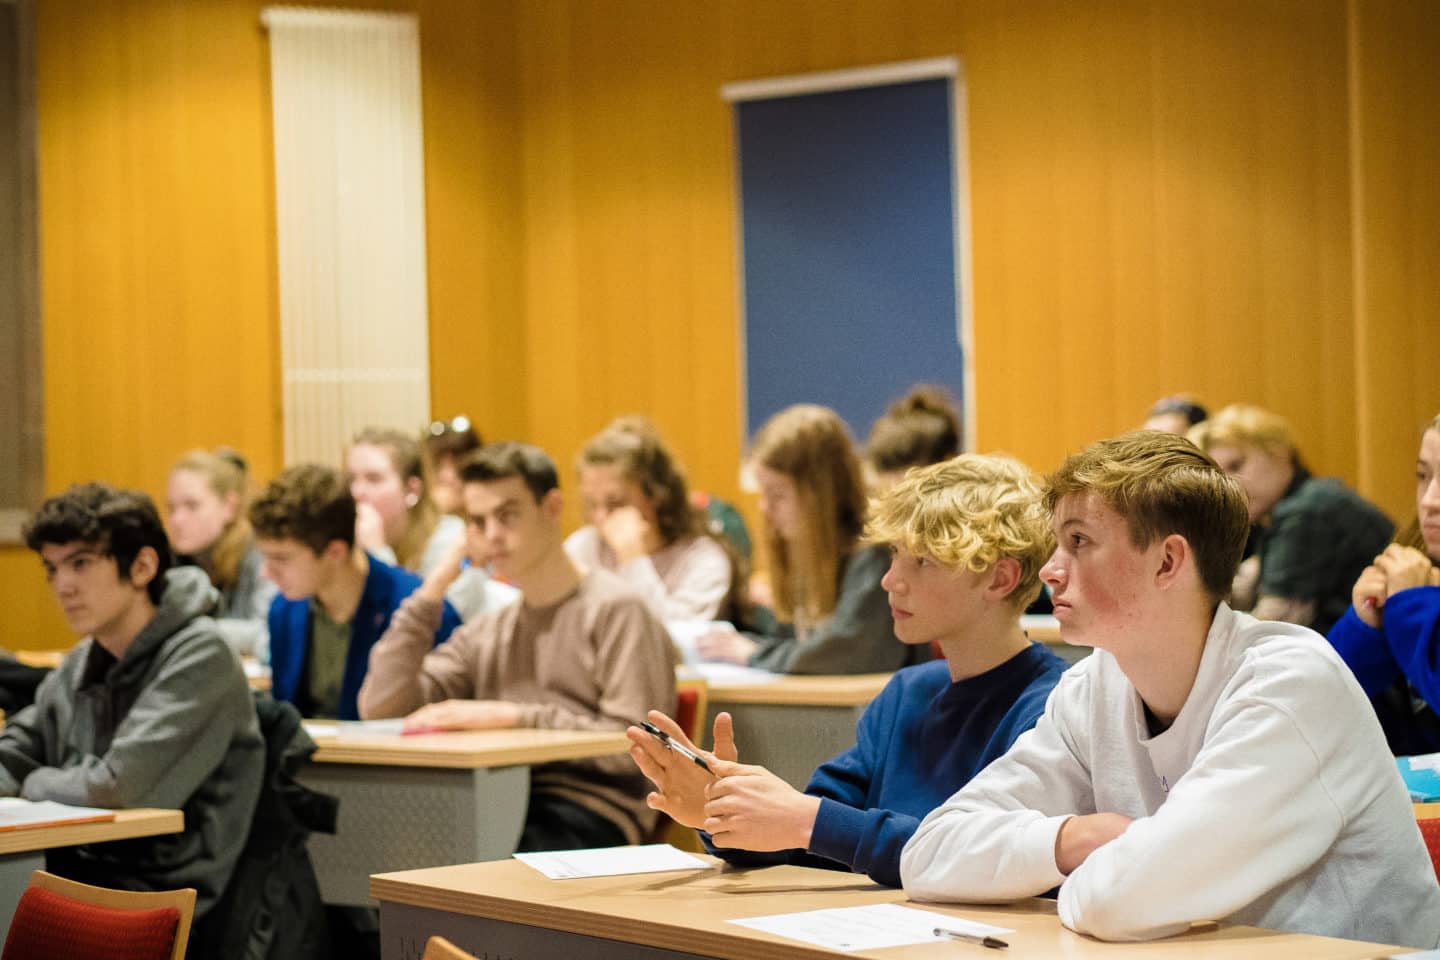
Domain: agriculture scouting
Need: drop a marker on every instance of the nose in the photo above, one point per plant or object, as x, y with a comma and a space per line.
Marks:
1053, 572
1430, 496
891, 582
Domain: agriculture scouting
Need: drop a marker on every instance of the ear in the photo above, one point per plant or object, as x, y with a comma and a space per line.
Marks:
1004, 578
414, 488
144, 567
552, 504
1174, 556
336, 551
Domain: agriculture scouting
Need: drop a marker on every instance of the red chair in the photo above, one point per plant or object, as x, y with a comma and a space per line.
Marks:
1430, 830
62, 918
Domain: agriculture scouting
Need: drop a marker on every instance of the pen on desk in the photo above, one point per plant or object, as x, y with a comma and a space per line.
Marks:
681, 749
976, 938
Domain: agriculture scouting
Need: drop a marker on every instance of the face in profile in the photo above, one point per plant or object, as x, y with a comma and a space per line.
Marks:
198, 515
1261, 474
779, 501
1096, 573
375, 481
1427, 492
604, 488
928, 601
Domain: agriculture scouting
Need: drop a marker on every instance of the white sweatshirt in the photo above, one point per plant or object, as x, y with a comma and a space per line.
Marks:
1272, 800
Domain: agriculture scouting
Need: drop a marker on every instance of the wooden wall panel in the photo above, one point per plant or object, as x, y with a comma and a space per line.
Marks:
1397, 145
1163, 198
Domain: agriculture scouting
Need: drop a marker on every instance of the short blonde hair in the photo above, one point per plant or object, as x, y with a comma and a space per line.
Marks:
968, 514
1162, 484
1242, 424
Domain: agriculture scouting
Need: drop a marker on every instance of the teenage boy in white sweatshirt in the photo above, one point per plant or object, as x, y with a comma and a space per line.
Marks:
1201, 765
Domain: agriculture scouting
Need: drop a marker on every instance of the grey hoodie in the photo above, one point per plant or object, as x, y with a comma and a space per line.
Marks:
172, 724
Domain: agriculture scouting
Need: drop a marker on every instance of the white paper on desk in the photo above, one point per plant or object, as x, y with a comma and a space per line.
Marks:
16, 813
354, 728
866, 928
611, 861
719, 674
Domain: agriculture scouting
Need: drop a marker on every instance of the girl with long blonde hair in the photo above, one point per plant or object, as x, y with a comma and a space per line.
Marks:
834, 615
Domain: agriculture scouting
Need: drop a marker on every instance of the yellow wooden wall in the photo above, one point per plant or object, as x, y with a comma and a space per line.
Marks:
1234, 198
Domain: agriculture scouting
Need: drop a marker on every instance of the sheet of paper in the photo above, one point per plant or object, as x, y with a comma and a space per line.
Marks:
16, 813
720, 674
867, 928
354, 728
611, 861
685, 633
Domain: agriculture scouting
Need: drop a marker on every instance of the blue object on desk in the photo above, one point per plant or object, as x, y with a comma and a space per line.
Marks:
1421, 776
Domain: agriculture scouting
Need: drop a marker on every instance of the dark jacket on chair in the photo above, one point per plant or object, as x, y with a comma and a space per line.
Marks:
272, 908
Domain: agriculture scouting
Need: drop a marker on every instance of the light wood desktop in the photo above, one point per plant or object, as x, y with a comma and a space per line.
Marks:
23, 851
440, 798
507, 909
792, 724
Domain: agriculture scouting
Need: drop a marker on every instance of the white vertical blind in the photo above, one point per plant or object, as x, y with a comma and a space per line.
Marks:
350, 213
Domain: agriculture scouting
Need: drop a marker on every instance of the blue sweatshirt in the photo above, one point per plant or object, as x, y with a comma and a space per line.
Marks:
921, 740
290, 620
1406, 647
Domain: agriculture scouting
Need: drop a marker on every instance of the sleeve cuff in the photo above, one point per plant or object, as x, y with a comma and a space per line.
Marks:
836, 831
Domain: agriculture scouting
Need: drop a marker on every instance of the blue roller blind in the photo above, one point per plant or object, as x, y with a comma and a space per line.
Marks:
848, 220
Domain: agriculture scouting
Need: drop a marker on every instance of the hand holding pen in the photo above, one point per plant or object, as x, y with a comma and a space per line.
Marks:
680, 782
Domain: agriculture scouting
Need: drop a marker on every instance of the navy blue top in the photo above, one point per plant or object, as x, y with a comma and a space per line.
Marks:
1407, 647
917, 743
385, 588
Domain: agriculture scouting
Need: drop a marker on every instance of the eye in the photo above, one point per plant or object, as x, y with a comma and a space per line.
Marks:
1077, 540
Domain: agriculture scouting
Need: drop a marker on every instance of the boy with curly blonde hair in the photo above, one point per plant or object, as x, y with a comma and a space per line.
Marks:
967, 539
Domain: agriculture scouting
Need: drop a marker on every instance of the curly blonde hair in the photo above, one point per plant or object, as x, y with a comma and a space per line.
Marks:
969, 513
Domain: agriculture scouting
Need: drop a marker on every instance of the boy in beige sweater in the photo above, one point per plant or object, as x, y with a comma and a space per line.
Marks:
578, 651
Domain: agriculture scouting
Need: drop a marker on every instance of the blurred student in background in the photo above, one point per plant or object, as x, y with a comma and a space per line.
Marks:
446, 443
833, 612
643, 527
1315, 534
919, 429
1176, 413
396, 518
205, 500
1390, 636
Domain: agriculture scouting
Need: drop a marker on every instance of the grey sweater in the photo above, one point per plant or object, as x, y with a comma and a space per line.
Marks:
172, 724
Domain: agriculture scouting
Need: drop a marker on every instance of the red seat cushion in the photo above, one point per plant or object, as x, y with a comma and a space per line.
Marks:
1430, 830
48, 926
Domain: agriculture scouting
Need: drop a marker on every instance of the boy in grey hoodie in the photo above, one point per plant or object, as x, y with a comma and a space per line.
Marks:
150, 709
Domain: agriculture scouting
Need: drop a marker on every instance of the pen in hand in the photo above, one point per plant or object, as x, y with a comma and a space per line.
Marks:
984, 941
681, 749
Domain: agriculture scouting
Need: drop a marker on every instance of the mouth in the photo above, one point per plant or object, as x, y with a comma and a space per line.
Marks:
897, 614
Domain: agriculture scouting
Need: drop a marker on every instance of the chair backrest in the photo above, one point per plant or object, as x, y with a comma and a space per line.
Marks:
438, 948
1430, 830
62, 918
691, 701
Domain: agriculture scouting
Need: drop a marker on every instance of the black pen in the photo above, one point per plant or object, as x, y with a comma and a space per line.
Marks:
681, 749
976, 938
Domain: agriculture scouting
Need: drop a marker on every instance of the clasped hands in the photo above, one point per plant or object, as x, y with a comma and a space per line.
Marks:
741, 806
1398, 568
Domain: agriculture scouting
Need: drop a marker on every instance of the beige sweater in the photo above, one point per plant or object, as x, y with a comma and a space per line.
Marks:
687, 580
596, 660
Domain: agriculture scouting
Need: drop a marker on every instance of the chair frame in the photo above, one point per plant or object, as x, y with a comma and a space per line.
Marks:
182, 900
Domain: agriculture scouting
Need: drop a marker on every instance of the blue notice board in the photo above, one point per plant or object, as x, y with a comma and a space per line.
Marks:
849, 229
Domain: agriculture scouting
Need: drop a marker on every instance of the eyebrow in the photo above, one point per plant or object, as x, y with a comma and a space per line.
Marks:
77, 552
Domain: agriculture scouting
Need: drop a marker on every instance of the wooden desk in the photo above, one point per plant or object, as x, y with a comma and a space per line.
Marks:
429, 800
792, 724
41, 658
505, 909
1044, 628
23, 851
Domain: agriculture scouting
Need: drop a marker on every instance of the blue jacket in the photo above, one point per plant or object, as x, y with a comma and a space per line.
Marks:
1407, 647
385, 588
921, 740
